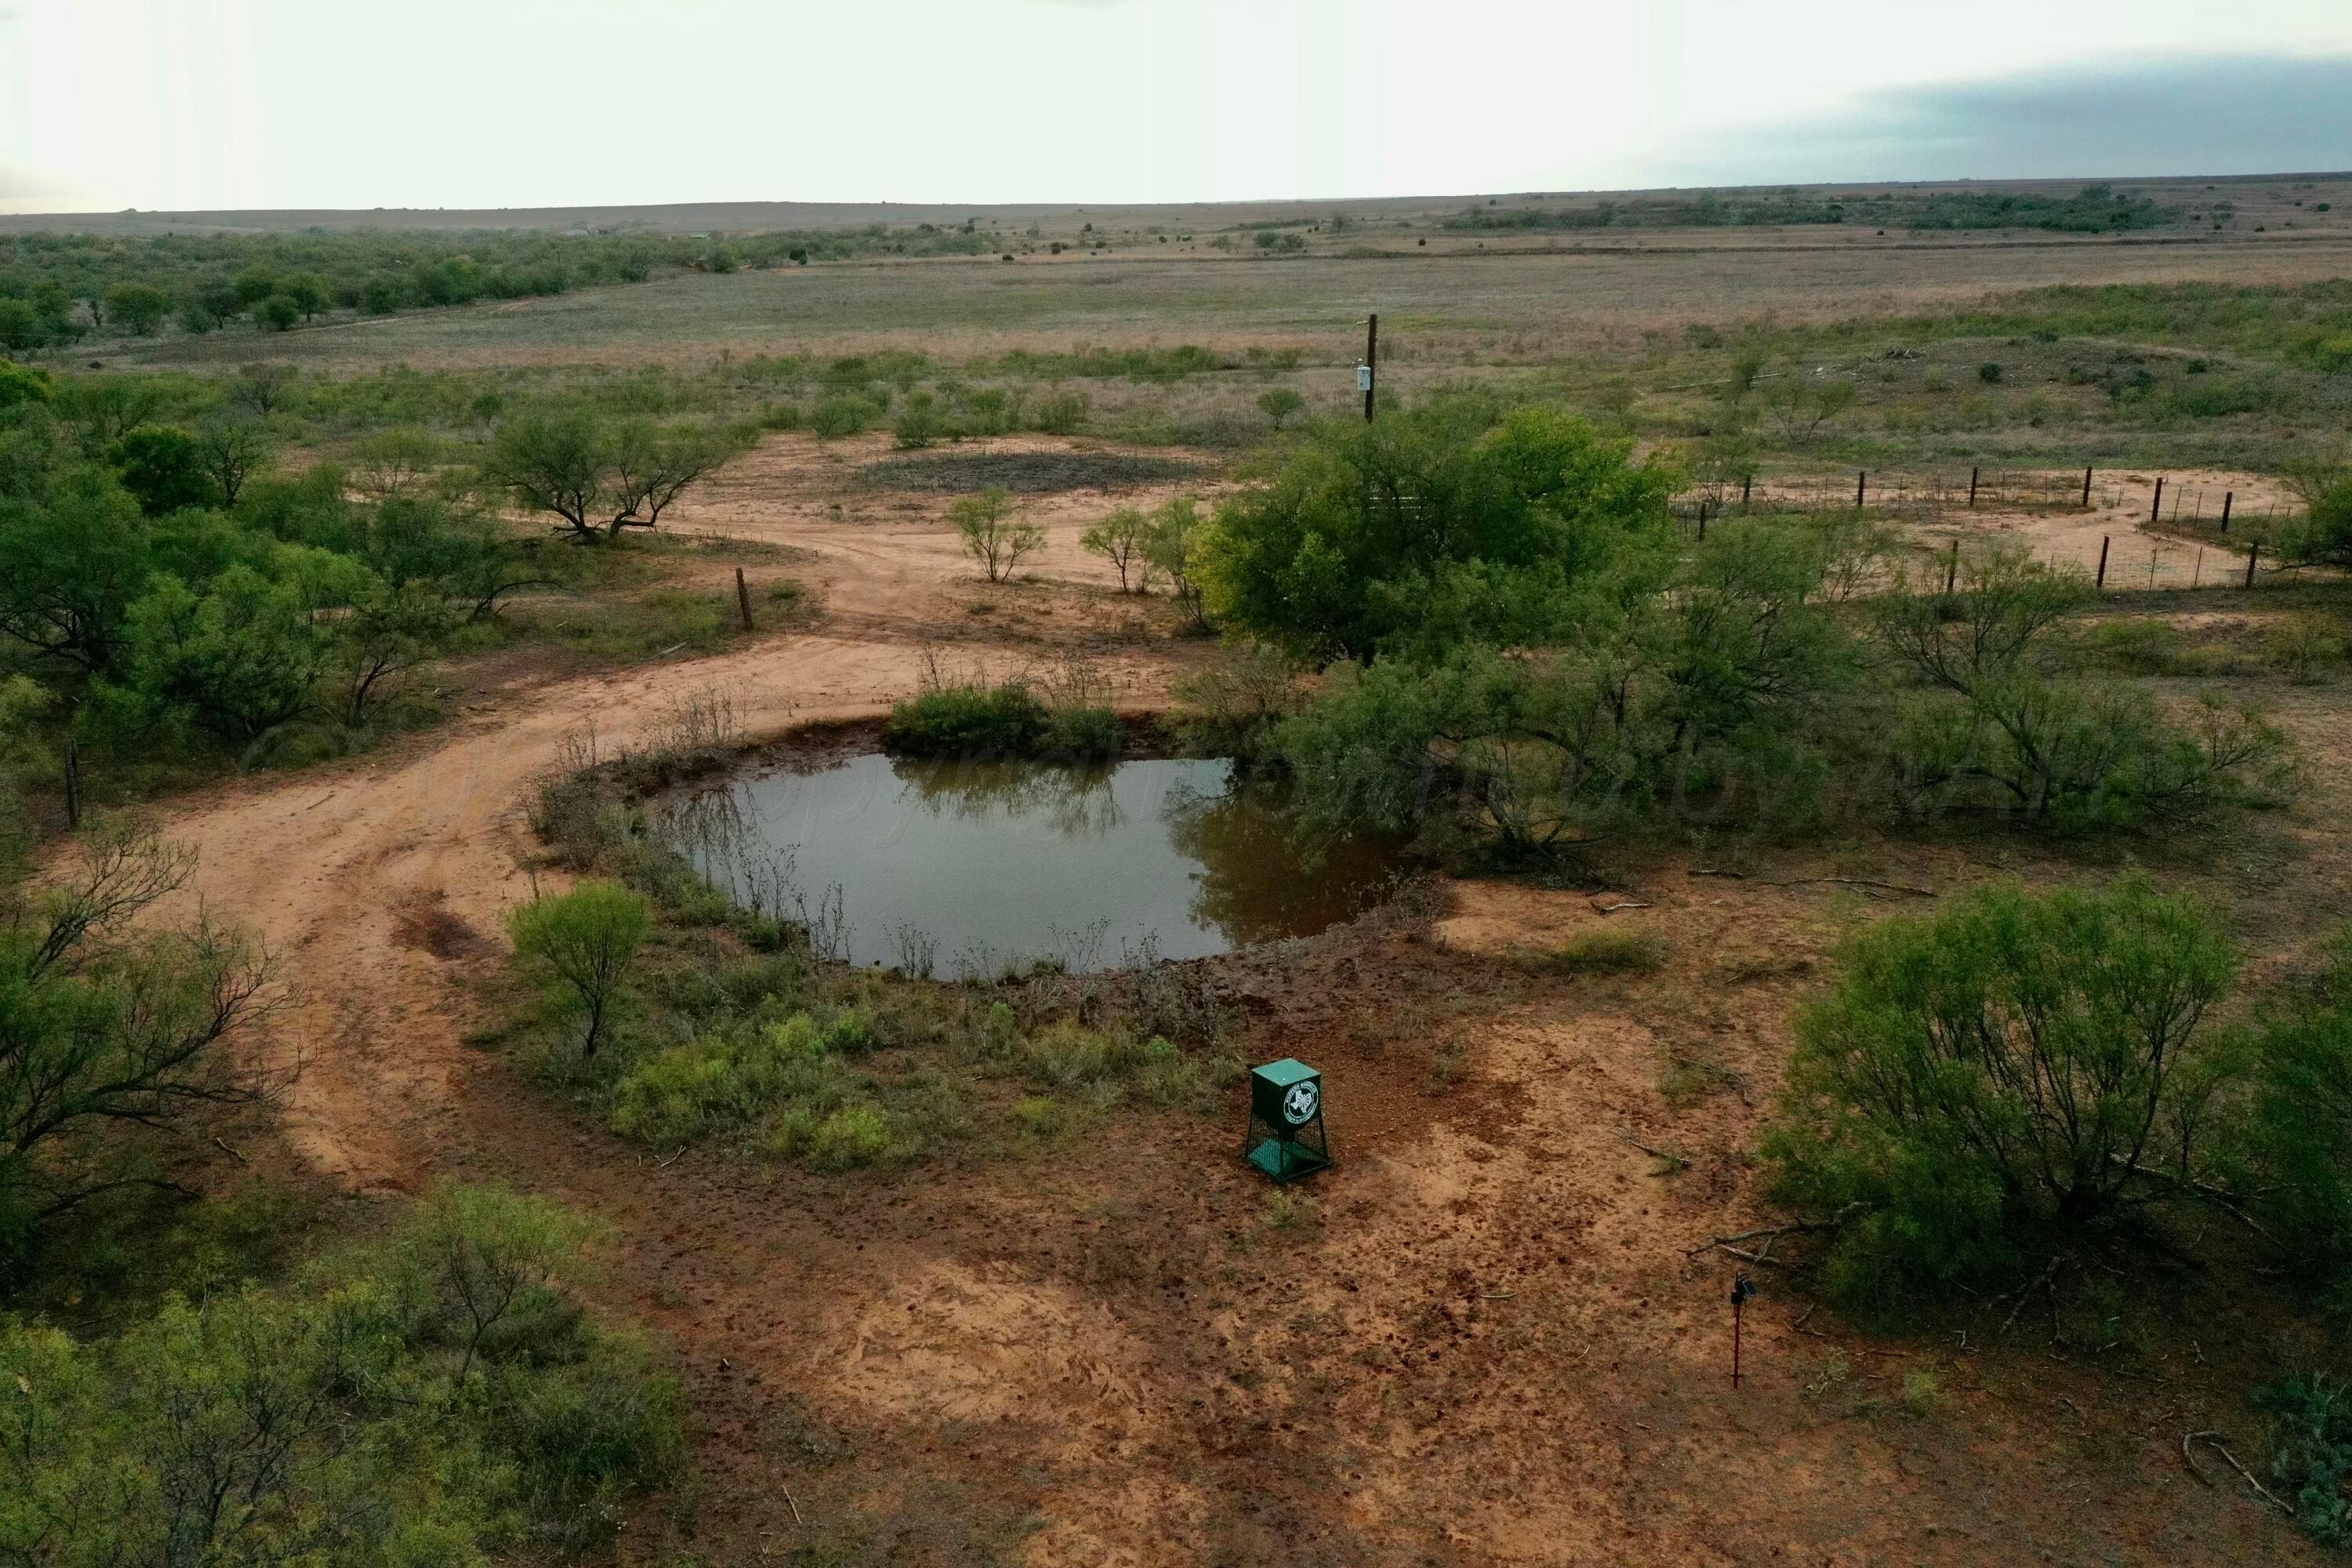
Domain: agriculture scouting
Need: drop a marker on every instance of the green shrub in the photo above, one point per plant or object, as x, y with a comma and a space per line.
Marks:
839, 416
1060, 413
1988, 372
2302, 1115
995, 539
585, 939
438, 1396
2311, 1461
2003, 1080
1083, 734
919, 423
2305, 648
970, 720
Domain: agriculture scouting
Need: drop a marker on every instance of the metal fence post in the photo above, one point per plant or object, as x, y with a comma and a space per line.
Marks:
2227, 497
1860, 480
2155, 508
2086, 488
1973, 485
2252, 555
2104, 540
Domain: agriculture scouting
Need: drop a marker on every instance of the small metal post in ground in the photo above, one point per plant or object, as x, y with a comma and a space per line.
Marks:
2086, 488
2104, 540
743, 598
2227, 497
1702, 521
2199, 576
1860, 480
1952, 567
1742, 1288
1973, 485
2252, 555
2155, 508
1744, 484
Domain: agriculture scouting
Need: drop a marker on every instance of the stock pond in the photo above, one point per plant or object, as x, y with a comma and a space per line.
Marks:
962, 868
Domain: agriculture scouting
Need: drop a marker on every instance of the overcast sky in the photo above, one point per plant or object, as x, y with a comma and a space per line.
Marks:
360, 103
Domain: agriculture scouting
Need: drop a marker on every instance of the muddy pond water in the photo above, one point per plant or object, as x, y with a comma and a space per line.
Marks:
962, 868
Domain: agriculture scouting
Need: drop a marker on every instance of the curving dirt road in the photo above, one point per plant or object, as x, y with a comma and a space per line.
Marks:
362, 879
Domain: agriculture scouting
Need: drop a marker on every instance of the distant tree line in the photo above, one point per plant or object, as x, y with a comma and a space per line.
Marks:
59, 288
2095, 209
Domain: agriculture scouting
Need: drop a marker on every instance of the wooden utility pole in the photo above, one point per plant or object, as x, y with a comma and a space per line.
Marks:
1371, 361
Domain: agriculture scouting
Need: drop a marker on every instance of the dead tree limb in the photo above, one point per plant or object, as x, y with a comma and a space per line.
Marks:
2215, 1438
2025, 1292
1769, 1234
1675, 1161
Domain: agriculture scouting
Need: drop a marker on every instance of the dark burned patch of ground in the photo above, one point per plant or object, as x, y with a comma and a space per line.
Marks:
428, 925
1025, 473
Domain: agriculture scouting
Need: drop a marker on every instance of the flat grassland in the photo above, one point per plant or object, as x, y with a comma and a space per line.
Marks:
1438, 308
1481, 1338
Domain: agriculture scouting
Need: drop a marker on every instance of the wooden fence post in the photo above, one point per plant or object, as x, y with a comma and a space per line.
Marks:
2227, 497
2104, 540
1744, 483
1860, 480
2252, 555
1952, 567
1973, 485
743, 598
1702, 520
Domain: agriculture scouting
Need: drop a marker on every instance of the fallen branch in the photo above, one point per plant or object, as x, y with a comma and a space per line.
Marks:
2221, 1198
1829, 881
1769, 1234
2190, 1460
2024, 1293
793, 1505
232, 1153
1678, 1162
2214, 1438
1856, 882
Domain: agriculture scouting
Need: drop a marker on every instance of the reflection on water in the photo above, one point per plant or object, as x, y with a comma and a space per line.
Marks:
955, 867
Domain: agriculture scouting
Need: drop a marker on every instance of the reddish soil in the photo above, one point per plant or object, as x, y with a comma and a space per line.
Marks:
1480, 1340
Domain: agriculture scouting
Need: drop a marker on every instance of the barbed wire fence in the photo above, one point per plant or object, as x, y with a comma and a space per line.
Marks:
2195, 535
